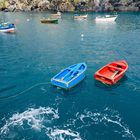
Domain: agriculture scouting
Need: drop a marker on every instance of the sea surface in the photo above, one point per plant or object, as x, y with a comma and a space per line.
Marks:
32, 109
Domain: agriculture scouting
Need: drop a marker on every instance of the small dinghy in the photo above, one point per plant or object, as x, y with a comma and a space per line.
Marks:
112, 72
7, 27
49, 21
80, 17
70, 76
57, 15
107, 18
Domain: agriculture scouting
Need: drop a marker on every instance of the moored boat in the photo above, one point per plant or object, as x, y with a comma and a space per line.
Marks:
70, 76
80, 17
7, 27
57, 15
49, 21
107, 18
112, 72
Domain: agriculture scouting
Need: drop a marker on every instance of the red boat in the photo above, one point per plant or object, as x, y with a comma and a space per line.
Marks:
112, 72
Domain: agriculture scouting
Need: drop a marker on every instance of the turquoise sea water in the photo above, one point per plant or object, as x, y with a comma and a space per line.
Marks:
31, 108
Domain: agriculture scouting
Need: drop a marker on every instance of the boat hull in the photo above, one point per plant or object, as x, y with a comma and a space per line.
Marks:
11, 30
112, 72
71, 82
49, 21
80, 17
56, 16
109, 19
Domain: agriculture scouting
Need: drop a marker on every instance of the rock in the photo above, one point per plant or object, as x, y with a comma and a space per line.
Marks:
66, 6
44, 5
11, 8
71, 5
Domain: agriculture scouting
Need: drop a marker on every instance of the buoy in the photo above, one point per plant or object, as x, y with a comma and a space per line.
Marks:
28, 19
82, 35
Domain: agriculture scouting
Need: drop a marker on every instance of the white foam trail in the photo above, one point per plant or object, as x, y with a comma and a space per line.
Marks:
61, 134
32, 117
39, 118
106, 117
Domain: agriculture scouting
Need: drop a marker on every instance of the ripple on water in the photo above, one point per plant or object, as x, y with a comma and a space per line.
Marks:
41, 120
31, 118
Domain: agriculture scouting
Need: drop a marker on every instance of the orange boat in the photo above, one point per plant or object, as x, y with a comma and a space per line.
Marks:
112, 72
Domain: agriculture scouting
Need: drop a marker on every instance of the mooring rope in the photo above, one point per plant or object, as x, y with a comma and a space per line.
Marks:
24, 91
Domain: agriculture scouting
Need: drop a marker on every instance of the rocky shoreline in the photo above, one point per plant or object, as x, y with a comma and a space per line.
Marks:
69, 5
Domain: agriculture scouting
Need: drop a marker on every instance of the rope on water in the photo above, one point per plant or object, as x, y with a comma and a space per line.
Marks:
24, 91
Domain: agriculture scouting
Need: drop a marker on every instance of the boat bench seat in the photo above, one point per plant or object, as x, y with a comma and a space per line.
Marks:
103, 76
120, 69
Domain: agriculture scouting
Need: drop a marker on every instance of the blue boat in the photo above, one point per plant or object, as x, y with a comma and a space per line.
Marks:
7, 27
70, 76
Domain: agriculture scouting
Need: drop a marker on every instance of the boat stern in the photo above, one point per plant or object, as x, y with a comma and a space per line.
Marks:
103, 79
59, 83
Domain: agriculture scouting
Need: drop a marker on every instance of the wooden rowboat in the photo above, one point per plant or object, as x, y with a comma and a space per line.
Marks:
112, 72
57, 15
70, 76
49, 21
80, 17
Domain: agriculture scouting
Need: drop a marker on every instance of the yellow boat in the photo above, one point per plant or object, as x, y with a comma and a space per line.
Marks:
57, 15
80, 17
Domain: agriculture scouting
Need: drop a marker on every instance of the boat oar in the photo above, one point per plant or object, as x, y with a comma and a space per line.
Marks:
65, 76
114, 74
72, 72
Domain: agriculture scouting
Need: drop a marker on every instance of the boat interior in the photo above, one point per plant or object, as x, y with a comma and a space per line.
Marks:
69, 73
112, 70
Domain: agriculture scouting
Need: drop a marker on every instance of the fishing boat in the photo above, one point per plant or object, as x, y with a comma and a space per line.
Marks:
107, 18
70, 76
49, 21
80, 17
57, 15
112, 72
6, 27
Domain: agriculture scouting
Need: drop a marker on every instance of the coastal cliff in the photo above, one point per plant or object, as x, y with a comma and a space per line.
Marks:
70, 5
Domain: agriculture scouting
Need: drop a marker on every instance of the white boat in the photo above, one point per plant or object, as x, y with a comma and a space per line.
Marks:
80, 17
57, 15
107, 18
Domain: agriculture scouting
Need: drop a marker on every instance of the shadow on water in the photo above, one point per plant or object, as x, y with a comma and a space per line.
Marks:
110, 87
64, 92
